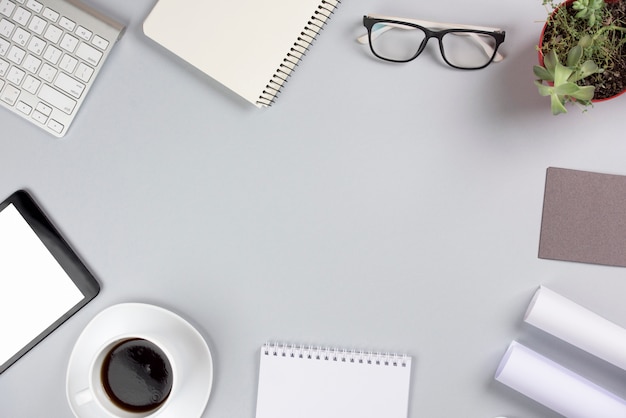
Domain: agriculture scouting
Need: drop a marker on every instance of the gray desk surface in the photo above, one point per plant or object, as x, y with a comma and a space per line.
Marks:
375, 206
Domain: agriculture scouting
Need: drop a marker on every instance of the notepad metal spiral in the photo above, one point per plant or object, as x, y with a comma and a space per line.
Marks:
306, 38
340, 355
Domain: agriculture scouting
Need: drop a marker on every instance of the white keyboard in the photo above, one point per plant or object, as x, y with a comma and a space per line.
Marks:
50, 54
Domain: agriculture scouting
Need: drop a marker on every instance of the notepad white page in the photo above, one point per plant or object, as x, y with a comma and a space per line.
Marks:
35, 291
239, 43
293, 387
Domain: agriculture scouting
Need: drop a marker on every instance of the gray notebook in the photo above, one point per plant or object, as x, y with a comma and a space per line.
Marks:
584, 217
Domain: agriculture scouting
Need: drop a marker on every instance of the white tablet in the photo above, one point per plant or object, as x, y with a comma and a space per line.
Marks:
42, 281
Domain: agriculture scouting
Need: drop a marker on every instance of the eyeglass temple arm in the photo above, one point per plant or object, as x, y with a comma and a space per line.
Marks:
486, 47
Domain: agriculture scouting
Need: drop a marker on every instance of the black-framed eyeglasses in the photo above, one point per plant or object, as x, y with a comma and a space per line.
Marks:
462, 46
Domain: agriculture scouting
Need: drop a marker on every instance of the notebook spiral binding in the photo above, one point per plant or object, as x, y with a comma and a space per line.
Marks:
340, 355
306, 38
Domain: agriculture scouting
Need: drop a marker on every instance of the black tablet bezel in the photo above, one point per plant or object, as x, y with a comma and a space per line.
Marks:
63, 254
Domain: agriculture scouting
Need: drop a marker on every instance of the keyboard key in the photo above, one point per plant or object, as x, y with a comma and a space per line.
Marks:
21, 37
34, 6
84, 72
37, 25
53, 34
67, 24
23, 107
47, 72
32, 64
31, 84
1, 84
36, 45
89, 54
43, 108
22, 16
68, 63
69, 42
84, 33
6, 7
40, 117
16, 55
52, 54
69, 85
55, 126
100, 42
50, 14
10, 94
15, 75
6, 28
57, 99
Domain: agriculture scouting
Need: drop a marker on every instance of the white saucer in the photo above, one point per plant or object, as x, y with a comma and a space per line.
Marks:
184, 343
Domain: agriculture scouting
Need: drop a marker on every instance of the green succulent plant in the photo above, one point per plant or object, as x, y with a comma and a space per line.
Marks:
589, 9
558, 81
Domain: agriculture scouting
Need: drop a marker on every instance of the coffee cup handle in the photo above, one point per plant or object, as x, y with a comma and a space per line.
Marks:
83, 397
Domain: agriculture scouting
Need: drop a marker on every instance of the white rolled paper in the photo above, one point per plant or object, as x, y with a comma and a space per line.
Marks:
556, 387
578, 326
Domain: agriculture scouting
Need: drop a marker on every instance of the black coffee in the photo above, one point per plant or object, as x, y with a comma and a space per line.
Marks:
137, 376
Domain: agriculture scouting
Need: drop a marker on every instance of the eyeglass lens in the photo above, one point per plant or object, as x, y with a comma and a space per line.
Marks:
397, 42
468, 49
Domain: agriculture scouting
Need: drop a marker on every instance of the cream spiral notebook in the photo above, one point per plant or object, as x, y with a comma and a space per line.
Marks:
314, 382
249, 46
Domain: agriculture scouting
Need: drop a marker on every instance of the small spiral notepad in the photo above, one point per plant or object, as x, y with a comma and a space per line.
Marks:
249, 46
313, 382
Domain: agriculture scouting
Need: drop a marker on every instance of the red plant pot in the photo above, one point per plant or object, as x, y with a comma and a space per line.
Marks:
540, 54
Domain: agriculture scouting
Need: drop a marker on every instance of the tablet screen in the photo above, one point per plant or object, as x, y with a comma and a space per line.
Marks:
37, 290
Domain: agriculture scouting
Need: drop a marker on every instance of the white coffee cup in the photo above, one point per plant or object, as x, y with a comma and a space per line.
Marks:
95, 391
